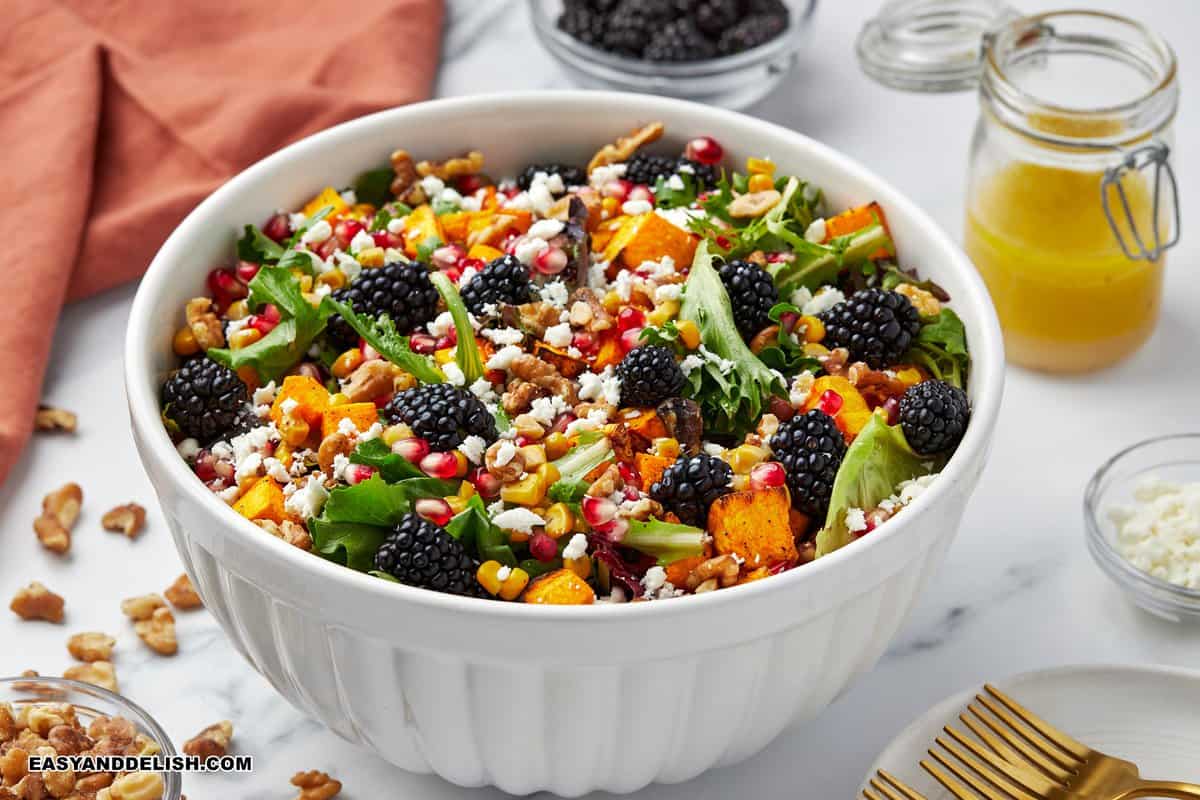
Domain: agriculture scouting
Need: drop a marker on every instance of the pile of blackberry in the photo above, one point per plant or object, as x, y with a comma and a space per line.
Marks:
400, 290
674, 30
206, 400
811, 449
504, 280
442, 415
649, 375
647, 169
690, 485
418, 553
875, 325
751, 292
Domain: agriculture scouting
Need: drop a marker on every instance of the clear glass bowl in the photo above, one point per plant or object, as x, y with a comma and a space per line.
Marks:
730, 81
1171, 458
90, 702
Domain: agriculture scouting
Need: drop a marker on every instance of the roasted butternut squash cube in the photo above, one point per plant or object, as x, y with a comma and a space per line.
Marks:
329, 197
363, 415
421, 226
754, 525
651, 468
562, 587
263, 500
655, 237
485, 253
312, 398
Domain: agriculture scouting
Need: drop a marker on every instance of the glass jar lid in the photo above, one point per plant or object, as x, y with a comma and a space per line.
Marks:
929, 45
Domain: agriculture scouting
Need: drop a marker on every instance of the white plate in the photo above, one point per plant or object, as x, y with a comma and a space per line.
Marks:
1148, 715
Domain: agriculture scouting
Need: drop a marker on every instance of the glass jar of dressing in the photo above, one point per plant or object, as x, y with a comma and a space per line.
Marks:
1071, 199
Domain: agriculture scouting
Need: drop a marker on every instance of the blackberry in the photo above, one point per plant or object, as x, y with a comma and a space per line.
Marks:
504, 280
629, 28
679, 40
205, 399
441, 414
418, 553
571, 175
875, 325
751, 32
811, 449
648, 376
400, 290
751, 293
584, 24
714, 16
690, 485
647, 169
934, 416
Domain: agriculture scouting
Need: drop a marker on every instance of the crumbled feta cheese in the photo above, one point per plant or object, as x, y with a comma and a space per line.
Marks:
712, 449
263, 411
495, 508
395, 226
856, 520
489, 310
296, 220
724, 364
1160, 534
454, 374
349, 197
800, 389
472, 203
288, 406
545, 229
309, 499
668, 292
623, 285
801, 297
348, 264
604, 385
361, 241
265, 394
465, 278
816, 231
546, 409
520, 520
432, 185
555, 293
505, 453
663, 268
373, 432
187, 449
346, 427
473, 448
441, 324
230, 494
687, 169
576, 548
503, 358
595, 420
635, 207
690, 363
528, 249
605, 173
504, 573
519, 201
450, 197
483, 389
597, 277
824, 300
248, 467
251, 441
317, 233
341, 463
656, 584
911, 490
235, 325
558, 335
275, 469
503, 336
676, 183
680, 216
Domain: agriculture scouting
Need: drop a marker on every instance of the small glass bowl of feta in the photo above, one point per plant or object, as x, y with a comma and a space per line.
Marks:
1142, 515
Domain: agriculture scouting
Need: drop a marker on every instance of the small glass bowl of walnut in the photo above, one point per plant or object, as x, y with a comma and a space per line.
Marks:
60, 717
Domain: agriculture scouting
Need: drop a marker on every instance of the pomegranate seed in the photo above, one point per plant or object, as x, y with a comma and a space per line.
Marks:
270, 312
368, 353
470, 184
445, 343
775, 569
618, 188
440, 465
261, 324
357, 473
412, 449
383, 399
486, 484
584, 341
422, 343
630, 339
509, 245
387, 239
551, 261
598, 511
830, 402
561, 423
630, 317
543, 548
891, 407
276, 228
778, 257
346, 230
496, 377
328, 247
472, 263
767, 475
451, 337
629, 475
447, 256
631, 493
704, 149
434, 509
641, 192
614, 530
723, 242
521, 441
225, 287
246, 270
224, 470
454, 274
205, 466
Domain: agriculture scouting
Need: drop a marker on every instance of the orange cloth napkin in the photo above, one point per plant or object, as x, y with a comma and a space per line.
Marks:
119, 117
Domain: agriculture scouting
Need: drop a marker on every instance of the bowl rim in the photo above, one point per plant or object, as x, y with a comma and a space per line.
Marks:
560, 43
986, 387
1104, 552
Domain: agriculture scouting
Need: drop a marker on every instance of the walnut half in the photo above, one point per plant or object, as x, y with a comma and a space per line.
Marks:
315, 785
212, 741
35, 601
128, 519
49, 418
60, 510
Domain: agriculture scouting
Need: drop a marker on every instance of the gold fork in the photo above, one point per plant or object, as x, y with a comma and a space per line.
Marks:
1027, 758
886, 785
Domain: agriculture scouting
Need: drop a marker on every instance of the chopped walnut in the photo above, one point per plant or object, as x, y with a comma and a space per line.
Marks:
158, 632
518, 397
581, 410
97, 673
510, 470
205, 324
49, 418
599, 320
608, 482
406, 173
93, 783
128, 519
536, 317
500, 222
35, 601
641, 509
544, 375
182, 594
60, 510
834, 362
293, 533
68, 740
212, 741
31, 787
142, 607
331, 447
753, 204
923, 300
372, 379
526, 425
723, 568
91, 646
14, 765
8, 723
768, 424
451, 168
315, 785
625, 146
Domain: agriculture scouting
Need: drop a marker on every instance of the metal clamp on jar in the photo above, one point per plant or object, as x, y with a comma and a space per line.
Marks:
1072, 200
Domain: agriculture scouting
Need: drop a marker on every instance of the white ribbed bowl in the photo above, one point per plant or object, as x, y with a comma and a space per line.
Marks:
530, 698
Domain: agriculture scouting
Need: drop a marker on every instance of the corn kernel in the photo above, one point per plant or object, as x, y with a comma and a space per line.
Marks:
528, 491
306, 281
346, 363
689, 334
557, 445
371, 257
514, 584
294, 432
548, 473
559, 520
445, 355
745, 457
666, 447
244, 338
238, 309
581, 566
760, 183
534, 455
760, 166
909, 376
815, 350
334, 279
486, 575
185, 343
814, 329
283, 452
456, 503
666, 310
403, 381
609, 206
464, 464
338, 399
394, 433
611, 302
466, 490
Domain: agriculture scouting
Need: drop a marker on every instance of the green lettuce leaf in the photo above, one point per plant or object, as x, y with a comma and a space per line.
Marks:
467, 354
381, 334
392, 467
876, 463
474, 528
786, 353
941, 347
374, 186
255, 246
347, 543
666, 541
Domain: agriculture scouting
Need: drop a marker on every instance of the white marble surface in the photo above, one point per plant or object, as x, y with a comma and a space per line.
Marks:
1018, 590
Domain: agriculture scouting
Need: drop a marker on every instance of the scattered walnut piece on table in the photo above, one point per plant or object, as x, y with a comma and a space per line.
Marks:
158, 632
97, 673
141, 607
315, 785
35, 601
128, 519
182, 594
91, 646
60, 510
212, 741
49, 418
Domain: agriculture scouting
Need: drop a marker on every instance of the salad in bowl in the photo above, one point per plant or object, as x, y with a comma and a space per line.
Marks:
652, 375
